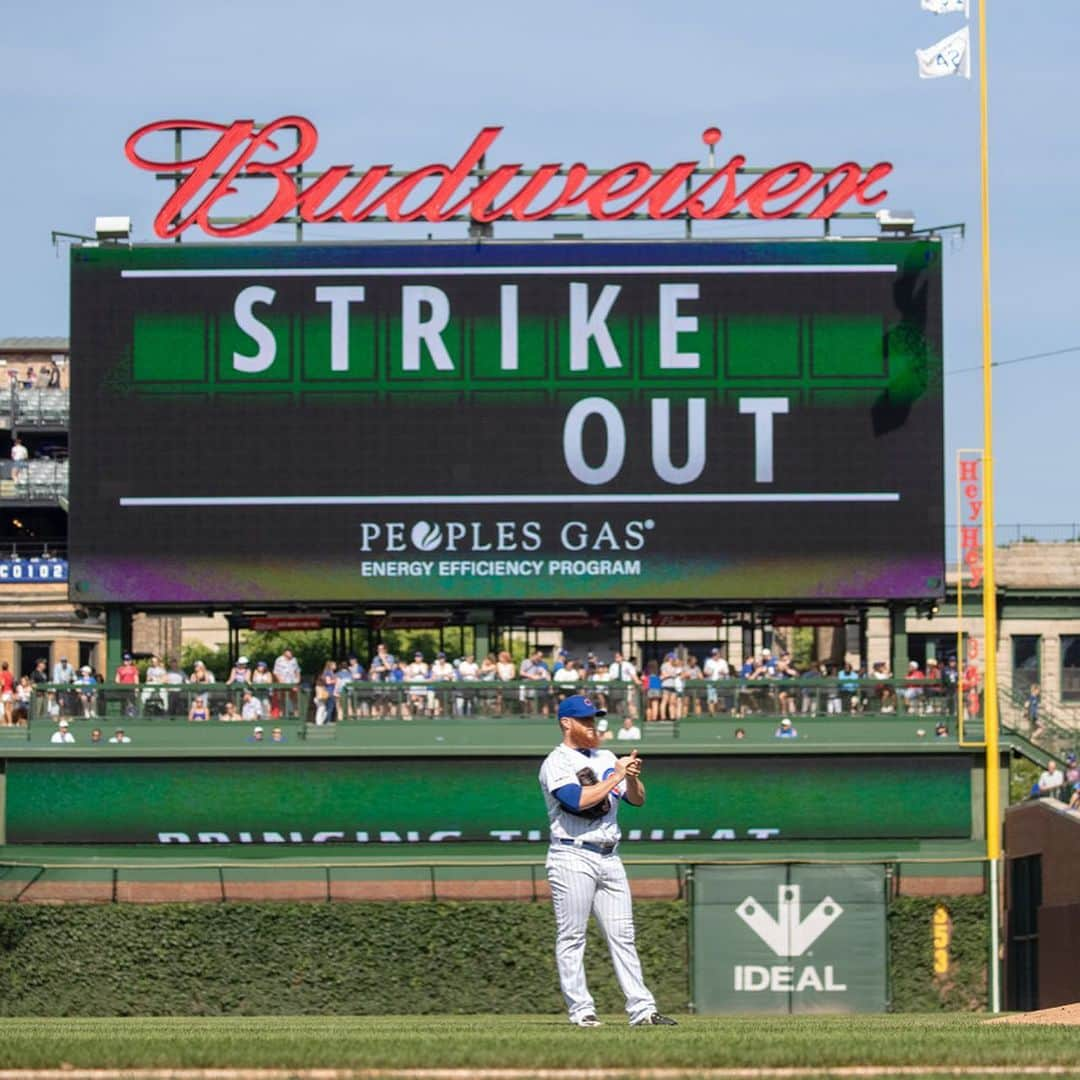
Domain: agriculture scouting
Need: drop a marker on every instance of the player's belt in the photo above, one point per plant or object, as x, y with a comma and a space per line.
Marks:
600, 849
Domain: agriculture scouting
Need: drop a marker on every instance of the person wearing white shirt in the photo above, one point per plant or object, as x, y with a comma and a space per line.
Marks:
1051, 779
716, 667
63, 672
61, 734
287, 670
252, 708
629, 730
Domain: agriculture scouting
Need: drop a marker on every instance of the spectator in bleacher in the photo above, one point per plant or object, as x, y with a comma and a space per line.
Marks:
174, 677
62, 734
934, 690
382, 663
54, 378
534, 671
468, 671
40, 675
941, 729
505, 671
200, 673
1072, 769
654, 691
1034, 700
229, 712
715, 669
785, 669
95, 735
287, 670
63, 672
567, 676
153, 700
442, 671
624, 684
7, 692
256, 735
883, 691
119, 737
240, 675
629, 731
127, 674
670, 678
19, 456
326, 693
913, 690
950, 682
24, 692
600, 678
695, 697
199, 711
1050, 783
786, 730
86, 688
847, 682
277, 735
29, 377
262, 675
251, 708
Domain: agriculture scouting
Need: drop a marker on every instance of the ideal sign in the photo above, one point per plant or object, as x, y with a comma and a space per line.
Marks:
788, 935
818, 947
439, 192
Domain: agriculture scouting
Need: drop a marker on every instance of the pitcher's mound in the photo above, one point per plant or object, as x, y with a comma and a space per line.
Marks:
1060, 1014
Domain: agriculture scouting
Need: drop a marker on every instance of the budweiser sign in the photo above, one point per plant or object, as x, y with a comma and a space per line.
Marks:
467, 190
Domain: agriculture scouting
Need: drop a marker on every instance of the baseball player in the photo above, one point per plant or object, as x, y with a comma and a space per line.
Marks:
582, 787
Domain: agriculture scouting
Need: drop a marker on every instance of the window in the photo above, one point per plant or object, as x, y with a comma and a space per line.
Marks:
1025, 663
1070, 667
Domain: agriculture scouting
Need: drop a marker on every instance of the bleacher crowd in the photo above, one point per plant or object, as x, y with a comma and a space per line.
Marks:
667, 689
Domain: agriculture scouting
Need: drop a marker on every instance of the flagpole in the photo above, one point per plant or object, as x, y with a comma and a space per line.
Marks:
989, 584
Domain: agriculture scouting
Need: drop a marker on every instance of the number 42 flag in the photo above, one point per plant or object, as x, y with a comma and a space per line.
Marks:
946, 7
949, 56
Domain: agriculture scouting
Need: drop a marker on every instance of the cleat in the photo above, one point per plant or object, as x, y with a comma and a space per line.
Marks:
587, 1021
656, 1019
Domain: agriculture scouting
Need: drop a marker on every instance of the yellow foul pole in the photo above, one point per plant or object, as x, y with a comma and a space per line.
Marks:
989, 586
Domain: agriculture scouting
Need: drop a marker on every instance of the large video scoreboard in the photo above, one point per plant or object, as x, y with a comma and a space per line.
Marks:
535, 421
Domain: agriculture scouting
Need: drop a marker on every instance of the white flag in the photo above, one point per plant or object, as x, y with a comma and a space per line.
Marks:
946, 7
949, 56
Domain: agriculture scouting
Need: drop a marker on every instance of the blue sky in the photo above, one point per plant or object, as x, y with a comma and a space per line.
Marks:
412, 82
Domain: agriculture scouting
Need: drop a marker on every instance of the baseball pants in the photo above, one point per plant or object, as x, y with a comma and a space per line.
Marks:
584, 882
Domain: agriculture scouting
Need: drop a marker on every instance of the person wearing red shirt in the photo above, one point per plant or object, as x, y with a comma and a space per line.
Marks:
7, 692
128, 674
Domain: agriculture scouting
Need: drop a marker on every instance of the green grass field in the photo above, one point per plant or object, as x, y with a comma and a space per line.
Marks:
536, 1042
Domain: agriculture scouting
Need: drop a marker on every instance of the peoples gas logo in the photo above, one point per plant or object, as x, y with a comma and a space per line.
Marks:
502, 536
788, 935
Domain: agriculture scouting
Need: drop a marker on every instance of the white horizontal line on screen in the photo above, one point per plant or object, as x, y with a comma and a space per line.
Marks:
480, 271
507, 500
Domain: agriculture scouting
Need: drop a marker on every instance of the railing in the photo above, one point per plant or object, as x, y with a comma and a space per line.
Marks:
363, 701
40, 480
49, 703
47, 407
1059, 533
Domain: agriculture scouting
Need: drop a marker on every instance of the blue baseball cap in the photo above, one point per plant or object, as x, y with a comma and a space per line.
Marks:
579, 707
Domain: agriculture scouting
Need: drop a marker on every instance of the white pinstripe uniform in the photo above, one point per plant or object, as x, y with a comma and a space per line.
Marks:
584, 881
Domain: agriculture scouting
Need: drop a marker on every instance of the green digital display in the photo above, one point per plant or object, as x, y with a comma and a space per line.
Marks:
418, 800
